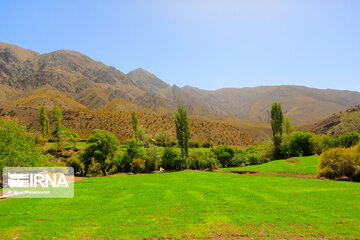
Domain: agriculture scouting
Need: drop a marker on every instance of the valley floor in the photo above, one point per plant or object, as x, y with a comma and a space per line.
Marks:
190, 204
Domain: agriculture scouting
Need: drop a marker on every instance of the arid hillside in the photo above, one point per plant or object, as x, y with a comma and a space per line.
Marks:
83, 121
330, 125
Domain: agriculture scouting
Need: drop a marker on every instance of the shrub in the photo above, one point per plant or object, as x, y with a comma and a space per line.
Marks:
76, 164
137, 165
300, 144
194, 144
202, 160
336, 163
134, 149
238, 160
206, 145
253, 159
224, 154
347, 139
171, 159
152, 158
326, 142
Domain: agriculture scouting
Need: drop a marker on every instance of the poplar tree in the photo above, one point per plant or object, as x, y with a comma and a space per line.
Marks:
57, 115
135, 124
277, 119
44, 122
182, 131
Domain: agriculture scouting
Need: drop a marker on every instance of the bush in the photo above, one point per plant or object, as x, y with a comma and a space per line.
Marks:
253, 159
194, 144
171, 159
238, 160
135, 149
75, 163
224, 154
326, 142
202, 160
152, 158
347, 139
137, 165
206, 145
300, 144
337, 163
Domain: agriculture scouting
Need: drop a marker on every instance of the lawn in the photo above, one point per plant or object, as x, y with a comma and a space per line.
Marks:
306, 165
189, 204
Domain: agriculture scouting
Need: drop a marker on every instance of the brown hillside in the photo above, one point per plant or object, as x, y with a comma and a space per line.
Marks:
84, 121
330, 125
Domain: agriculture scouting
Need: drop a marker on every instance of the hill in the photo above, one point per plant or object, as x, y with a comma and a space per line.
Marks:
331, 124
83, 121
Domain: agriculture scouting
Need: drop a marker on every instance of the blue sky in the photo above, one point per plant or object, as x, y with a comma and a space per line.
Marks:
204, 43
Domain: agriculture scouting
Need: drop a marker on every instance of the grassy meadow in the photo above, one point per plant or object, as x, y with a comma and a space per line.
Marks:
189, 204
305, 165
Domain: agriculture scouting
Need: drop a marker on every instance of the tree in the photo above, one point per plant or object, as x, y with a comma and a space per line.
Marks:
44, 122
277, 119
182, 131
287, 126
57, 115
163, 137
135, 124
143, 136
102, 147
17, 147
350, 122
62, 134
152, 158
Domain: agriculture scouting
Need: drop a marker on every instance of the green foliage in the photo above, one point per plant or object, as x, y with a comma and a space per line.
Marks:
277, 119
224, 154
253, 159
171, 159
143, 136
206, 145
152, 158
301, 144
202, 160
76, 164
62, 134
134, 122
57, 115
164, 137
102, 147
238, 160
287, 127
327, 142
135, 149
182, 131
44, 122
339, 163
17, 147
347, 139
194, 144
350, 122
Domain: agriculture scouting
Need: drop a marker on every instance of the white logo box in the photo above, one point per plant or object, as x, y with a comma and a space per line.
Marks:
38, 182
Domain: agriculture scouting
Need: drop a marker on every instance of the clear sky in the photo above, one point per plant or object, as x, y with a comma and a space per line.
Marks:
208, 44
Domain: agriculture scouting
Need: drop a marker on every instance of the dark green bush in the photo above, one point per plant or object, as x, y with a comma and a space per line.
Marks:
202, 160
206, 145
253, 159
152, 158
171, 159
194, 144
300, 144
224, 154
347, 139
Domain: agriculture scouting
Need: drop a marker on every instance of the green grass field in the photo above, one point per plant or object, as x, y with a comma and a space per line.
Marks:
189, 204
306, 165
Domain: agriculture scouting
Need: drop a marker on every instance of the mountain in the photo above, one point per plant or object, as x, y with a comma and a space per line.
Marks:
75, 81
330, 125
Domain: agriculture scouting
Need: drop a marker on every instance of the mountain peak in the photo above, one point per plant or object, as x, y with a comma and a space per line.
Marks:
146, 80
